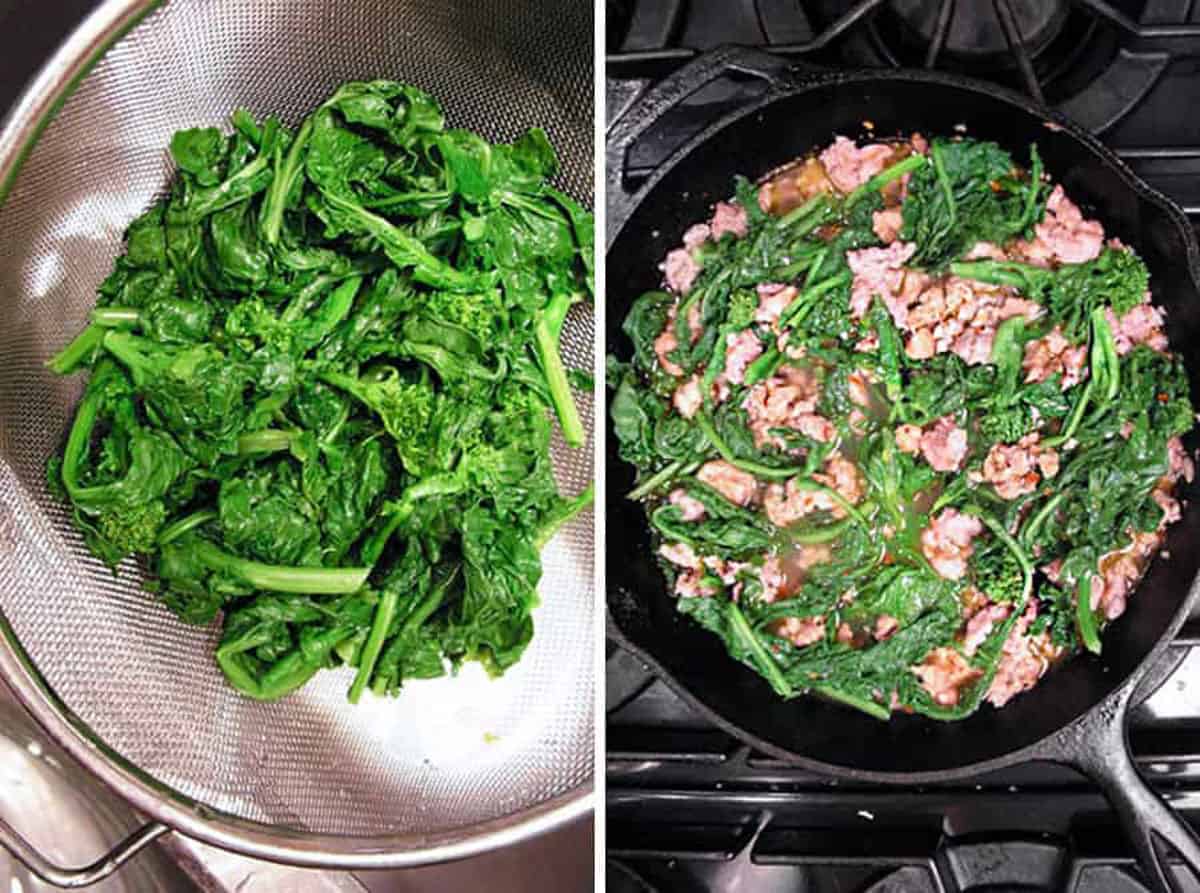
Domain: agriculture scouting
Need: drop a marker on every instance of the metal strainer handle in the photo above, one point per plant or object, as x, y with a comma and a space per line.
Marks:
73, 878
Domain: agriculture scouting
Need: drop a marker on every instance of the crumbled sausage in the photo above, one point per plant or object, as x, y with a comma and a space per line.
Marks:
944, 445
800, 631
1064, 232
741, 349
680, 554
737, 486
690, 508
1015, 469
943, 673
1143, 324
880, 272
728, 218
773, 299
1053, 355
688, 398
849, 166
887, 224
946, 542
787, 400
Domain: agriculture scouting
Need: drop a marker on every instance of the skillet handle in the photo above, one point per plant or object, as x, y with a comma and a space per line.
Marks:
650, 107
1098, 747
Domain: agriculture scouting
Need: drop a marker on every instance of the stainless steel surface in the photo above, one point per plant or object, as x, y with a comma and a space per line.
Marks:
453, 766
65, 814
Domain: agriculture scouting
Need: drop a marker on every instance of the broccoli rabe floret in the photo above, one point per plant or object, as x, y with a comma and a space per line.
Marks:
1007, 425
997, 573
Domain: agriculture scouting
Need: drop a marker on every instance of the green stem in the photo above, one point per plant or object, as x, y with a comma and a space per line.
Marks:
287, 170
866, 705
279, 578
445, 484
990, 271
187, 523
1034, 525
1035, 178
764, 366
660, 477
268, 440
1106, 367
1074, 419
1085, 617
799, 213
117, 317
297, 667
798, 309
80, 438
546, 342
81, 349
815, 536
885, 176
939, 166
755, 468
561, 514
416, 618
384, 612
762, 658
816, 265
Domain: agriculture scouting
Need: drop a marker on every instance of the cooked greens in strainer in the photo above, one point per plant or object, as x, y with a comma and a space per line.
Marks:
322, 380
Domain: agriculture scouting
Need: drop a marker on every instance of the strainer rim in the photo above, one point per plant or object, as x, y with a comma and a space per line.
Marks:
20, 129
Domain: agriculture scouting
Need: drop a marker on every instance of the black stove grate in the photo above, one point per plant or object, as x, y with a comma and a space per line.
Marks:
690, 807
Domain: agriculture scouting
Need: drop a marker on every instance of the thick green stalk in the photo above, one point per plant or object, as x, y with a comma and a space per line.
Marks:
885, 176
547, 332
1013, 546
401, 510
278, 578
187, 523
1034, 525
806, 300
764, 366
287, 171
117, 317
762, 658
385, 611
803, 210
416, 618
1074, 418
993, 272
662, 476
82, 349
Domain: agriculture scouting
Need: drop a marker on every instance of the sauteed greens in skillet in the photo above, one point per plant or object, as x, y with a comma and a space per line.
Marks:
907, 426
322, 375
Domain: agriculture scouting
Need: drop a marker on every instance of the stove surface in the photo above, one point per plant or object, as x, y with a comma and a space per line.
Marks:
690, 807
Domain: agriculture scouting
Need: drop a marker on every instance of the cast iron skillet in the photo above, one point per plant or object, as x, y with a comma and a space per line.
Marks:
1077, 714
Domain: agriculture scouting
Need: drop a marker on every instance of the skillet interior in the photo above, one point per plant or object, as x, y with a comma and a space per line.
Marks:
788, 123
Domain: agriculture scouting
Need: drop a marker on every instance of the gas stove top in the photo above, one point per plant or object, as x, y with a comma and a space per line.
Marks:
690, 807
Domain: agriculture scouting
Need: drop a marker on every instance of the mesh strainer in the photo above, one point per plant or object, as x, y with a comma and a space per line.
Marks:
452, 766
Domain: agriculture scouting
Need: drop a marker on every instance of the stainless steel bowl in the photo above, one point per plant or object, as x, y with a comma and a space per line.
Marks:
453, 766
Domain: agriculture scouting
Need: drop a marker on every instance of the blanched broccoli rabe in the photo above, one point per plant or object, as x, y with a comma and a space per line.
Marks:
325, 375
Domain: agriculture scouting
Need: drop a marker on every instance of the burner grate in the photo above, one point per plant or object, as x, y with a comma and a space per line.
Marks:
1090, 58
